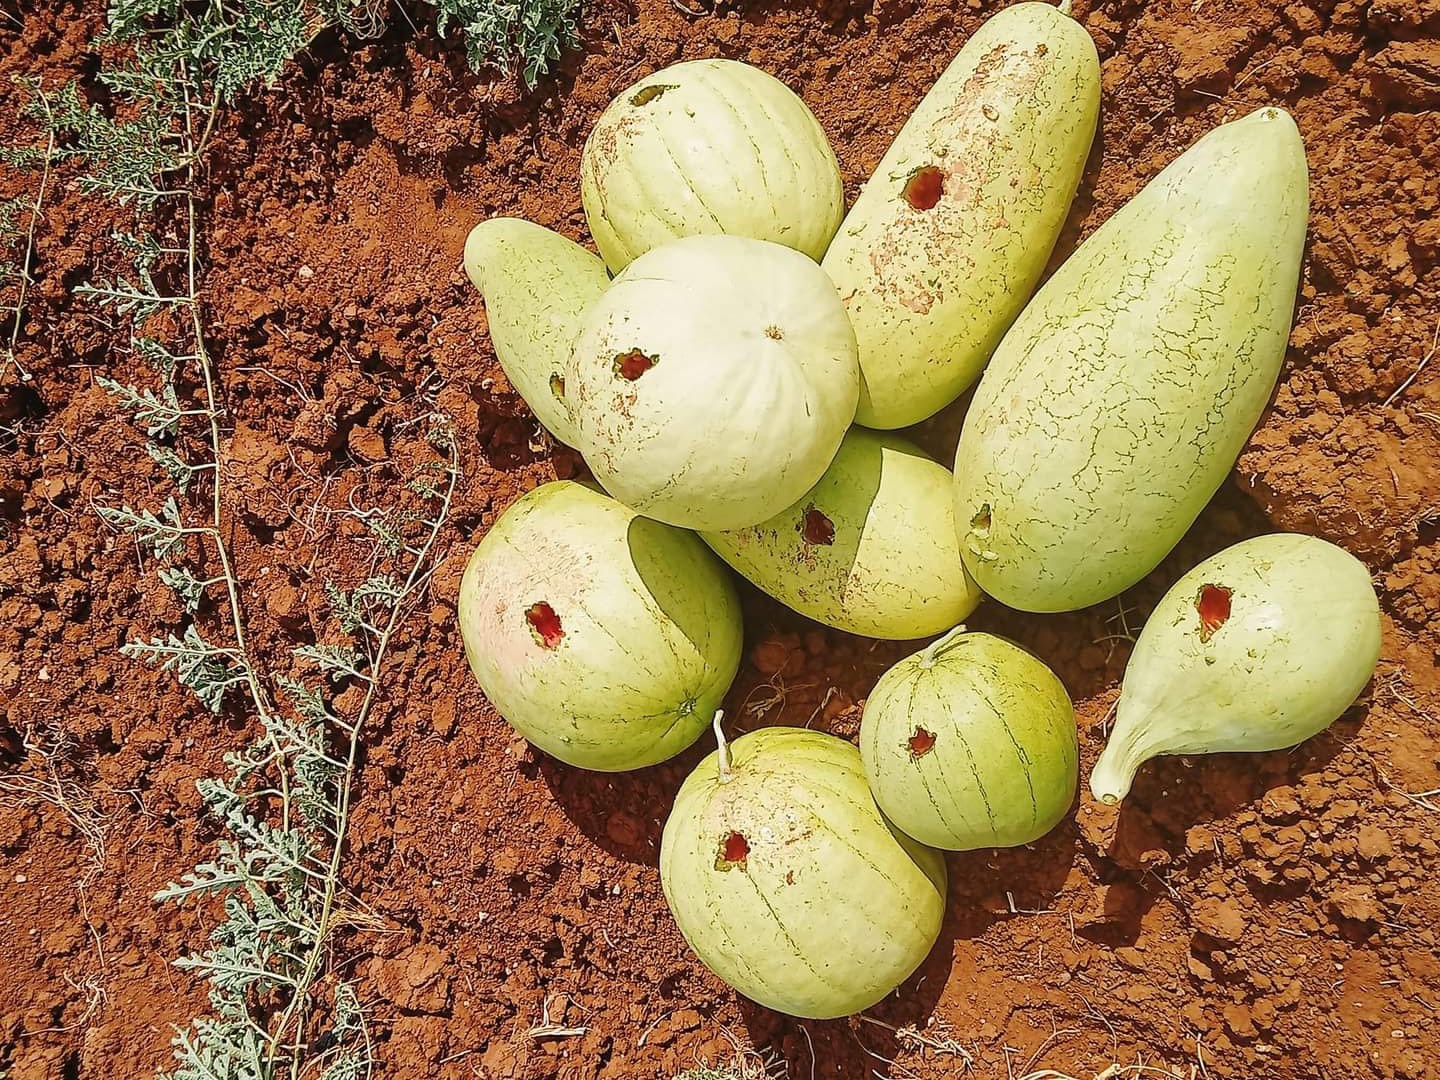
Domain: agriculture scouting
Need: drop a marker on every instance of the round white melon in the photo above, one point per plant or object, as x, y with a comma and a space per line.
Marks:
714, 381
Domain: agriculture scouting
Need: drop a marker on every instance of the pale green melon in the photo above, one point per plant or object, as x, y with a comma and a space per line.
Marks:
950, 235
713, 381
870, 549
789, 884
1258, 648
708, 147
537, 287
1118, 402
606, 639
971, 743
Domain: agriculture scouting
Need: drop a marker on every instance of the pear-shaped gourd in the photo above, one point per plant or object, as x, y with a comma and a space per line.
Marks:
537, 286
708, 147
950, 235
870, 548
789, 884
714, 381
971, 743
1118, 402
1257, 648
605, 638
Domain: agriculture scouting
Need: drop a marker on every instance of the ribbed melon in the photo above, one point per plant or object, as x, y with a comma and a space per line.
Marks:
605, 638
789, 884
971, 743
708, 147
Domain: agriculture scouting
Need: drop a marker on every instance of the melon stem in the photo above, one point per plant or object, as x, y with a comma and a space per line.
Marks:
723, 747
931, 652
1065, 7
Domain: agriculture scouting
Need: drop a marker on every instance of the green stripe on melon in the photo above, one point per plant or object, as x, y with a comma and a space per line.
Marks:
830, 908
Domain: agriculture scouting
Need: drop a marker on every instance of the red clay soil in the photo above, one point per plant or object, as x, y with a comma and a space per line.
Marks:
1267, 916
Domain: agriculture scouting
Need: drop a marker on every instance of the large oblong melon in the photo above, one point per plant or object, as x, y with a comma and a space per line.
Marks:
950, 235
1121, 397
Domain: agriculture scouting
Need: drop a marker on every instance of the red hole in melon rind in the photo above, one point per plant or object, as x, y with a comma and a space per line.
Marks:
924, 187
921, 743
816, 528
734, 849
545, 624
633, 364
1213, 604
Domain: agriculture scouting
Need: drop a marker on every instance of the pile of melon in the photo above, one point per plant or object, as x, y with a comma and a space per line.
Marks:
732, 365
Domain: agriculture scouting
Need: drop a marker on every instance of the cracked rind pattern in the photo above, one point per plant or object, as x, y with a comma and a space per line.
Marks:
1004, 766
931, 292
537, 286
753, 385
1301, 641
892, 568
832, 908
651, 628
1122, 396
716, 147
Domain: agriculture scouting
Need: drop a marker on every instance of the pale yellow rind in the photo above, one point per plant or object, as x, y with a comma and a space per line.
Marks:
1121, 397
708, 147
832, 909
930, 291
1300, 642
651, 628
891, 567
537, 286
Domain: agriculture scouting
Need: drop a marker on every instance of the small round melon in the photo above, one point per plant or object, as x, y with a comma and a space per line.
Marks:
606, 639
870, 549
713, 381
971, 743
789, 884
708, 147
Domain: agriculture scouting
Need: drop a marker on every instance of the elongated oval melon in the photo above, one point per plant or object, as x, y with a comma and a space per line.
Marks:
789, 884
1258, 648
605, 638
870, 548
1123, 394
707, 147
971, 743
949, 236
537, 286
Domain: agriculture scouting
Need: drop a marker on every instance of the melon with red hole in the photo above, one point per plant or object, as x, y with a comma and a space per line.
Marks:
1258, 648
714, 381
789, 884
537, 285
606, 639
949, 237
708, 147
871, 548
1119, 401
971, 743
